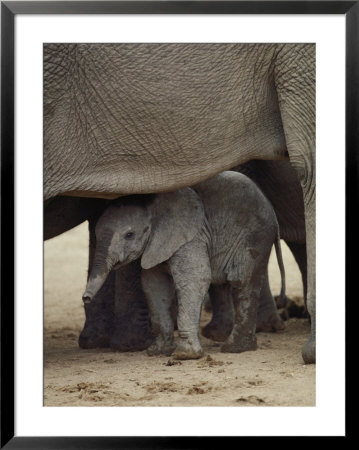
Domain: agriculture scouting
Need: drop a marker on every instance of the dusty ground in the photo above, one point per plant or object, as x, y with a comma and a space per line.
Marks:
274, 375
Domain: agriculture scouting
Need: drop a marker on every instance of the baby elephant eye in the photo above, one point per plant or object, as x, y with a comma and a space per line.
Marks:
129, 235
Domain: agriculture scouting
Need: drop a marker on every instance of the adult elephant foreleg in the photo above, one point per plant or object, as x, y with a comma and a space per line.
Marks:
132, 330
295, 83
299, 252
268, 318
308, 351
306, 174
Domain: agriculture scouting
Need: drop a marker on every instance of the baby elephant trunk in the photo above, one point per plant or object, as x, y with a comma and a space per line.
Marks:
98, 275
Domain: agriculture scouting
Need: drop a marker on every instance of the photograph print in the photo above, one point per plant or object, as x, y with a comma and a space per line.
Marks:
179, 224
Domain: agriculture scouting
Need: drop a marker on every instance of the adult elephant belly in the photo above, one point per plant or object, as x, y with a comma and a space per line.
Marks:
125, 119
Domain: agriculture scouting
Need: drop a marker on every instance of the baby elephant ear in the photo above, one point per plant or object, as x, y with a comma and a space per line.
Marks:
176, 218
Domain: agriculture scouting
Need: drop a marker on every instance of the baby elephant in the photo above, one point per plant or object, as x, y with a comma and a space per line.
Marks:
219, 233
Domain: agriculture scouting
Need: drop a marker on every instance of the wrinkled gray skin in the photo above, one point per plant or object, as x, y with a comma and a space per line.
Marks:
221, 237
124, 119
119, 317
279, 182
123, 323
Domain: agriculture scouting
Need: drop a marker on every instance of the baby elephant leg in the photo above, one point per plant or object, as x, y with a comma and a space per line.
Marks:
191, 272
243, 335
158, 288
221, 324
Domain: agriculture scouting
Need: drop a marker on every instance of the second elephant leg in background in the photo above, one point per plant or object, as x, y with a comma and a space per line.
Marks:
118, 316
300, 254
268, 318
131, 331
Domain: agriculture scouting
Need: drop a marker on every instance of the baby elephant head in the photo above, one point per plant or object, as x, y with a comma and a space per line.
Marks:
152, 229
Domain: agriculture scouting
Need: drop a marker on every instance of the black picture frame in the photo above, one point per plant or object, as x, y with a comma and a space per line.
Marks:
9, 9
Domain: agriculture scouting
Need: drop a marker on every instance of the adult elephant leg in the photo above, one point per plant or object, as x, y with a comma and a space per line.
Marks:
268, 318
221, 324
132, 330
308, 350
299, 252
99, 313
118, 316
99, 322
295, 83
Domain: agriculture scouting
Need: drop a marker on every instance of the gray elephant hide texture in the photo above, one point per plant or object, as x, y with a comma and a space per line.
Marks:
138, 118
123, 119
220, 232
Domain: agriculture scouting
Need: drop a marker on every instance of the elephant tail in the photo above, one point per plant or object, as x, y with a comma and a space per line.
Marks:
278, 251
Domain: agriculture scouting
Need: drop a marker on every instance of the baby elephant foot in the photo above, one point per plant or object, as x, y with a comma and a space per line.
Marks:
217, 332
188, 348
240, 344
161, 347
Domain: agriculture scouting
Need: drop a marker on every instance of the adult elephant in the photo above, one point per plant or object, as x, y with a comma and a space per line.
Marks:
125, 119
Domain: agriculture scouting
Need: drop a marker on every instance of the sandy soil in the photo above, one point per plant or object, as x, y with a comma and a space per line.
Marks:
273, 375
